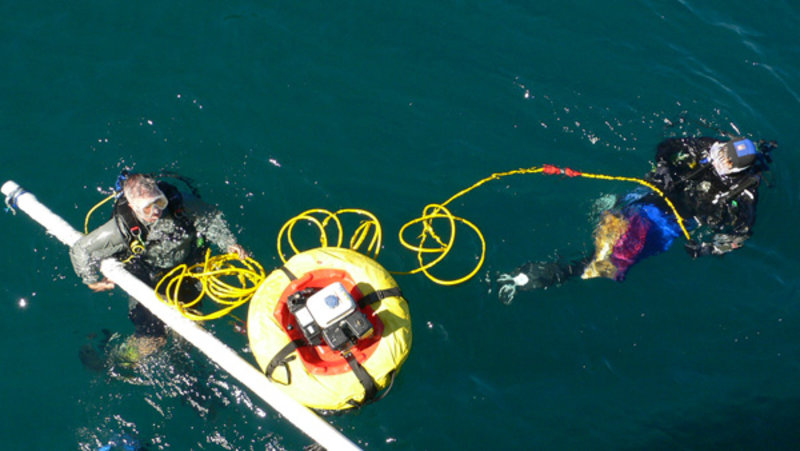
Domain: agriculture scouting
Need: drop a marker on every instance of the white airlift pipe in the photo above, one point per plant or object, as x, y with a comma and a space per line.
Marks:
302, 417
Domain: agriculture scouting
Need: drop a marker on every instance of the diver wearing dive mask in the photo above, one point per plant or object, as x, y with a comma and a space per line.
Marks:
713, 183
154, 228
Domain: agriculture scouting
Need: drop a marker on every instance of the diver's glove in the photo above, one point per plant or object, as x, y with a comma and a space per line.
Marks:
508, 286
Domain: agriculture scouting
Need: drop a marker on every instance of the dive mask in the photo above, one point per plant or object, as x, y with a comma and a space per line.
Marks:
150, 206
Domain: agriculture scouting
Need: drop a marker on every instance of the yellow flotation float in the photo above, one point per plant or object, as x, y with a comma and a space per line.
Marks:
330, 327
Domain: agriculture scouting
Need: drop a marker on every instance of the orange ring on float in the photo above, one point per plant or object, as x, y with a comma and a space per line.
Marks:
322, 360
270, 337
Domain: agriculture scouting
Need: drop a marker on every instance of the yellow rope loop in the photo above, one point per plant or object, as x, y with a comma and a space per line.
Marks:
440, 211
288, 227
434, 212
429, 214
225, 279
425, 268
360, 234
428, 231
370, 225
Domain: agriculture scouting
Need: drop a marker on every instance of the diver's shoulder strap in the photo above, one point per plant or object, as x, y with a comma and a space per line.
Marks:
130, 226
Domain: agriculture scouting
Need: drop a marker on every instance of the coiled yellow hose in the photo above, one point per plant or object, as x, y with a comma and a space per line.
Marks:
225, 279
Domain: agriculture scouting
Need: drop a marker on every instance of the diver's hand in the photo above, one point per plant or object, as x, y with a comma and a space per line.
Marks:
238, 250
518, 280
695, 249
103, 285
692, 248
508, 286
533, 276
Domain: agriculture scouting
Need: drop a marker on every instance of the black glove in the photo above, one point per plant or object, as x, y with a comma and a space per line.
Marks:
542, 274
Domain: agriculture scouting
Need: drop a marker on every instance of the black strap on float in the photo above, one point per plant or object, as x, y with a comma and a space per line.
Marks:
288, 273
379, 295
374, 398
370, 389
283, 358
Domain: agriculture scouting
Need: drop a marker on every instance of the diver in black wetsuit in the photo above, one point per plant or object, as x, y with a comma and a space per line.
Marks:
713, 184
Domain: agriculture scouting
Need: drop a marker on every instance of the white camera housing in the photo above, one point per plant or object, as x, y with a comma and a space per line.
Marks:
330, 304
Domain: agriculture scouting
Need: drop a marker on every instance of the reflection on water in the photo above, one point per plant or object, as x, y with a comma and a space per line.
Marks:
168, 397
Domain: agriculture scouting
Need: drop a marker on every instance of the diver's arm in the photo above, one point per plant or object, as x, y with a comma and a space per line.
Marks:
87, 253
720, 244
732, 235
542, 274
742, 227
537, 275
669, 150
678, 159
211, 224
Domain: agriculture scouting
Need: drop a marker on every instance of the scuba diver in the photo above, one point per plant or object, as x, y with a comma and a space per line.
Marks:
713, 184
154, 227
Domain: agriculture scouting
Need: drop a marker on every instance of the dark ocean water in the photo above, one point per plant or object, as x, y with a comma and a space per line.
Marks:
277, 108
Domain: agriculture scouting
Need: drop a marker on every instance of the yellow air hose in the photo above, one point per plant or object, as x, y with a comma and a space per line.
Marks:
434, 212
549, 169
370, 225
89, 214
440, 211
225, 279
231, 282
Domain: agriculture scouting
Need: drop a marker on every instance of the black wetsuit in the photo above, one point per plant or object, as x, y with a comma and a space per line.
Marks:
720, 212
